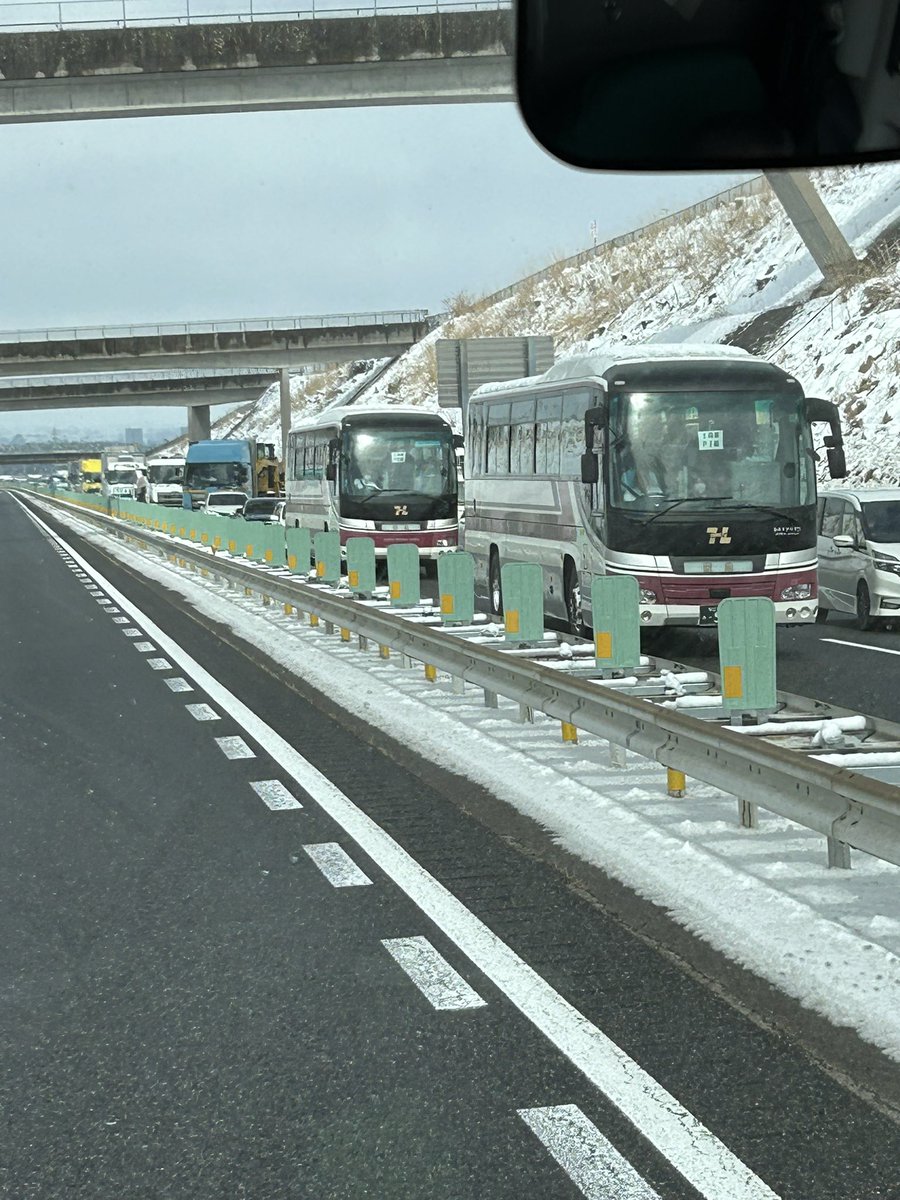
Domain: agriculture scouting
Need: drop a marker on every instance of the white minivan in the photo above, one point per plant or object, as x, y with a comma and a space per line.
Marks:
859, 554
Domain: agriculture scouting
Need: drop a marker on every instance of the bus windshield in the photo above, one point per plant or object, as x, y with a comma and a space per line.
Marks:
217, 475
398, 462
671, 448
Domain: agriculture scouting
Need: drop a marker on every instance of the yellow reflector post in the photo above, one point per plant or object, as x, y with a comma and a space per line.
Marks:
430, 673
569, 733
676, 783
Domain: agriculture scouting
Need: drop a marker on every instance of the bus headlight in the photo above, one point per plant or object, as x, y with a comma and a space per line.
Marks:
648, 596
798, 591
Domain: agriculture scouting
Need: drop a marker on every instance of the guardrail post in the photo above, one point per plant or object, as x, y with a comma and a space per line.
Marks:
328, 557
362, 642
747, 655
526, 714
491, 699
838, 854
748, 814
618, 755
523, 601
361, 565
615, 616
403, 575
676, 783
456, 588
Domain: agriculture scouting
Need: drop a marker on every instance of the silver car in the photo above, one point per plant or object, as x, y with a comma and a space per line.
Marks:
859, 554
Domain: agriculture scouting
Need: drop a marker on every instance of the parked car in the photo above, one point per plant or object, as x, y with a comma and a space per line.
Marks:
859, 554
225, 503
260, 508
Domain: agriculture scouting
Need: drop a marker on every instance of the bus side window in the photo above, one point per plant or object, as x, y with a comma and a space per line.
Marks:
522, 443
575, 405
475, 451
549, 410
498, 439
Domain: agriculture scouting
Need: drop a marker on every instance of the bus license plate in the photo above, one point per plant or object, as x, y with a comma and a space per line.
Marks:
709, 614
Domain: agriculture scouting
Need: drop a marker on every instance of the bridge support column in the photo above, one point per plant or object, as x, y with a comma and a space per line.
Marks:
284, 380
198, 423
831, 251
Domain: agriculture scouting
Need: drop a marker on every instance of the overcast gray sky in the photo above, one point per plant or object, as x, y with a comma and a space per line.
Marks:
293, 213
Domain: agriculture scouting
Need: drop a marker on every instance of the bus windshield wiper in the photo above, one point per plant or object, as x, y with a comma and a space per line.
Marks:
677, 503
776, 512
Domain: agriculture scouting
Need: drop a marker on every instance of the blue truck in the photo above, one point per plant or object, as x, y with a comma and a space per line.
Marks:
233, 464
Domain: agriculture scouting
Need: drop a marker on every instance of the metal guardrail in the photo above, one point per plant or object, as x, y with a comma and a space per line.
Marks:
136, 14
412, 316
848, 809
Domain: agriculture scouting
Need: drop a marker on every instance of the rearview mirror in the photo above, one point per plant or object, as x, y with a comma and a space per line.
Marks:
676, 85
331, 472
837, 462
843, 541
590, 468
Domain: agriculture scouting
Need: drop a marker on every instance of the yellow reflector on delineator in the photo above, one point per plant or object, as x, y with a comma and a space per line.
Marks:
733, 683
320, 569
603, 645
447, 604
396, 589
292, 561
512, 620
353, 578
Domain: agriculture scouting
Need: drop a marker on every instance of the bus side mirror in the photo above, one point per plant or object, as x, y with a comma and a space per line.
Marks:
837, 462
590, 468
594, 418
459, 442
331, 472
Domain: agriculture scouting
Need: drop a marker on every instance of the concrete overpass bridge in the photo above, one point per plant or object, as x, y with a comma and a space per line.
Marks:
81, 59
129, 388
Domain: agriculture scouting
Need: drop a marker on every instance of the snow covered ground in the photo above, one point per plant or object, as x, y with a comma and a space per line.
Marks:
831, 939
739, 273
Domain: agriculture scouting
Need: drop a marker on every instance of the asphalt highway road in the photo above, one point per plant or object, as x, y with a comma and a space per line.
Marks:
223, 976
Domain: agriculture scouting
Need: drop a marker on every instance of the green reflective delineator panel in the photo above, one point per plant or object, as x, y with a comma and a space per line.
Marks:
361, 565
615, 616
299, 550
403, 575
328, 557
523, 601
456, 587
747, 653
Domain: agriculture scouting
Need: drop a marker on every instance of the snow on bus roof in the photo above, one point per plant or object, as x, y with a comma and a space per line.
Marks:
579, 366
334, 416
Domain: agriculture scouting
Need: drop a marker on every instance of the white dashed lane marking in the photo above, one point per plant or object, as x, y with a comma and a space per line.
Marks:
133, 632
121, 620
178, 684
144, 647
202, 712
592, 1163
441, 986
274, 794
159, 664
234, 747
336, 865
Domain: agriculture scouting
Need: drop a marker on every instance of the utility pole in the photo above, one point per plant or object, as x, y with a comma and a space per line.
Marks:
831, 251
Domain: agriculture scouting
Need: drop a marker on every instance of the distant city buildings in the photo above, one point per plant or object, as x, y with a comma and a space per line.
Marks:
134, 437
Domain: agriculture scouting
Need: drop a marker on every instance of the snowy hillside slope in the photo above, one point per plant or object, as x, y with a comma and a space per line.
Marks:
737, 274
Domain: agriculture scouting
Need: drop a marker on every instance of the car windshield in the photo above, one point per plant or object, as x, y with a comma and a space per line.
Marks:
165, 472
212, 475
221, 499
882, 520
259, 508
128, 475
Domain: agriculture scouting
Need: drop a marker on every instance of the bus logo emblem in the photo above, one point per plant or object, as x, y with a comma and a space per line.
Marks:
401, 510
719, 535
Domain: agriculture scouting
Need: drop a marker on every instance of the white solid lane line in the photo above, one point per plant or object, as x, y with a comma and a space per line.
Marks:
202, 712
275, 795
692, 1149
178, 684
441, 986
234, 747
336, 865
859, 646
592, 1163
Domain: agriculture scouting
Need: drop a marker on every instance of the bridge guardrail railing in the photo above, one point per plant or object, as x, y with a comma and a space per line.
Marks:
847, 808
